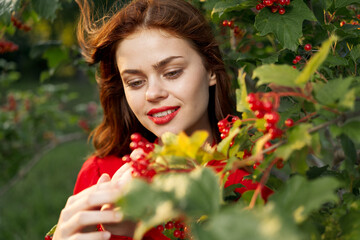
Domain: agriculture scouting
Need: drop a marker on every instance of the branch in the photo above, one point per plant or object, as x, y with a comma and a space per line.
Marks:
26, 169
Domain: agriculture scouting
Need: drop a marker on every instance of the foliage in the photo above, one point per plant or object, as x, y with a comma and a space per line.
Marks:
297, 88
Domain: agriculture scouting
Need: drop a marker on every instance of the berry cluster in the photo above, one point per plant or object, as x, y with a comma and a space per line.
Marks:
141, 166
19, 25
273, 5
296, 60
174, 228
236, 29
265, 109
225, 124
6, 46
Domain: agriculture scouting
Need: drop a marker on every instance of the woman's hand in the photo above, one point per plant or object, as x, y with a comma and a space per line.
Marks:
81, 214
122, 177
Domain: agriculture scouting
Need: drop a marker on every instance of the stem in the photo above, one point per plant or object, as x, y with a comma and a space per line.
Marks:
263, 180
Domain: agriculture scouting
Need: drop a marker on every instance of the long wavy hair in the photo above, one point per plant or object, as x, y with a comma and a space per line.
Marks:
99, 40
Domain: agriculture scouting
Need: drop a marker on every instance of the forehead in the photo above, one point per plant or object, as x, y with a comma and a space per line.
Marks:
151, 46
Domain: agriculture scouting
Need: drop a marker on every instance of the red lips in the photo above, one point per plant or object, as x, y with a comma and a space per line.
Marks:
165, 119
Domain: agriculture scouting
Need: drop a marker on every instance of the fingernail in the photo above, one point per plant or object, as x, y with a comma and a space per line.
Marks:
106, 235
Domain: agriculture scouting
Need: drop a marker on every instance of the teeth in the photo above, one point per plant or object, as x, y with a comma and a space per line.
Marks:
163, 114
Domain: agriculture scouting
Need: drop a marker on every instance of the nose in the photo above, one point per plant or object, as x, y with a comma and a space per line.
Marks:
156, 90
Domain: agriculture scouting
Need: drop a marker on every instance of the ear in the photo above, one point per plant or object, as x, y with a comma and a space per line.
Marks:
212, 79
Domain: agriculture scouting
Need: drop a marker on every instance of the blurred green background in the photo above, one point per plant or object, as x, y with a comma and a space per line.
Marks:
48, 104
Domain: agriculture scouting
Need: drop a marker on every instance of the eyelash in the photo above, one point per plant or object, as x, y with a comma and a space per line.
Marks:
135, 84
173, 74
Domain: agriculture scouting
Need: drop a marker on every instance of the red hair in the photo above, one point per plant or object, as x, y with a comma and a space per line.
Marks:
99, 41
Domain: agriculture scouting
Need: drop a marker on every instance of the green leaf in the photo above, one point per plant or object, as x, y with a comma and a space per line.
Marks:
351, 129
344, 3
348, 101
298, 162
283, 75
287, 28
355, 53
230, 5
197, 192
241, 94
235, 222
315, 61
46, 9
349, 148
300, 197
55, 56
298, 137
337, 87
334, 61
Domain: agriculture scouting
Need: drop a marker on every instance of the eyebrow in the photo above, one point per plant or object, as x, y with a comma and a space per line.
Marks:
156, 66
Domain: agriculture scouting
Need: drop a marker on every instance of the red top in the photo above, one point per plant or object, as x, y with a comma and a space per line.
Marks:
94, 167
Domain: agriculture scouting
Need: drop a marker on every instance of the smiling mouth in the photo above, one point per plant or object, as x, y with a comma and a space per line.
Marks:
163, 117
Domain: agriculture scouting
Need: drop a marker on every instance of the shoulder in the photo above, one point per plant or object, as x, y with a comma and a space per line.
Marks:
93, 168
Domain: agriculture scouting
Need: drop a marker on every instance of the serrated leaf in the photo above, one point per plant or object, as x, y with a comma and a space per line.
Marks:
298, 137
287, 28
282, 75
230, 5
348, 101
355, 53
300, 196
344, 3
46, 9
271, 59
315, 61
337, 87
234, 223
333, 61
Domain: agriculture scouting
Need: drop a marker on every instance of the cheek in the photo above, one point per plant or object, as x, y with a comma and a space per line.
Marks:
134, 101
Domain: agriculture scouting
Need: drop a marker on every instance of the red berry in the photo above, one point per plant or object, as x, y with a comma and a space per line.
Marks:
234, 119
160, 228
222, 135
269, 125
133, 145
237, 30
282, 11
294, 61
267, 106
289, 122
149, 147
274, 8
251, 98
287, 2
259, 114
231, 24
259, 6
294, 67
126, 158
307, 47
169, 225
225, 23
358, 16
136, 137
257, 105
282, 2
298, 58
177, 233
255, 165
342, 23
246, 153
275, 132
183, 235
268, 2
272, 117
280, 164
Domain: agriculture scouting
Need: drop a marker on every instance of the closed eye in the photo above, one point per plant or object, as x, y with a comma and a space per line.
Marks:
173, 74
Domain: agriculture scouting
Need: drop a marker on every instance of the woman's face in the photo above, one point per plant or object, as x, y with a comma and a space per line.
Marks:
165, 82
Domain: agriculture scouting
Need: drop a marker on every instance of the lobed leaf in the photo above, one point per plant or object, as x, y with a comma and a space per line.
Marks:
287, 28
230, 5
282, 75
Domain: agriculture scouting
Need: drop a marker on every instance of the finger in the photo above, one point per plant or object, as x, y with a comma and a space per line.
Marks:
125, 178
136, 154
104, 178
121, 171
99, 186
86, 218
91, 236
92, 200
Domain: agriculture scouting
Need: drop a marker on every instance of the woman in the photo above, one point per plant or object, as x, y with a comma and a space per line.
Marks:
160, 70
